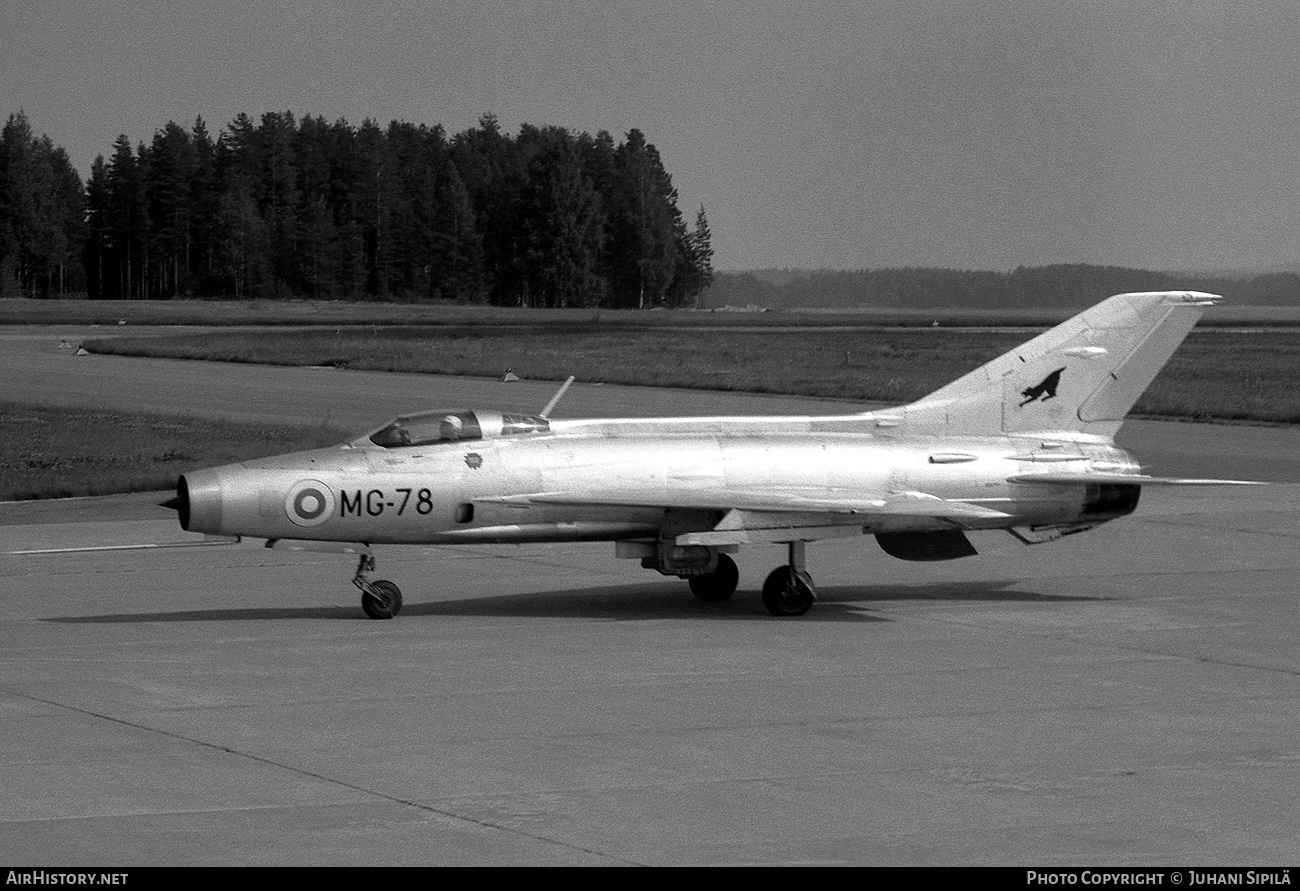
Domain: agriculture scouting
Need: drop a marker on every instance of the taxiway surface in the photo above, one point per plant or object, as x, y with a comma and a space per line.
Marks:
1126, 696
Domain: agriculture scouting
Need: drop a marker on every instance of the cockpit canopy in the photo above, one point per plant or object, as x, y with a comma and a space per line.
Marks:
433, 427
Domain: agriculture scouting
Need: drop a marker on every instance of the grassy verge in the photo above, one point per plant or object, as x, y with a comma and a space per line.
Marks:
1216, 375
334, 313
56, 453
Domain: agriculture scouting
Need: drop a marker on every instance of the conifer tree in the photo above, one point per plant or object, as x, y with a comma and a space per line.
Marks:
457, 271
98, 232
171, 172
563, 226
644, 226
41, 214
128, 220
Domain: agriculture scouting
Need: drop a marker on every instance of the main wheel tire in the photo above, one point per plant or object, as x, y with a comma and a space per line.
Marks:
788, 593
387, 604
718, 585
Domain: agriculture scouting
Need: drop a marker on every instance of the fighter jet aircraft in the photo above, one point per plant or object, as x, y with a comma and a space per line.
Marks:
1023, 443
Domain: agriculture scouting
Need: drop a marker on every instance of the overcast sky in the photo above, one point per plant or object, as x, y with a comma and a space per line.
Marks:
816, 133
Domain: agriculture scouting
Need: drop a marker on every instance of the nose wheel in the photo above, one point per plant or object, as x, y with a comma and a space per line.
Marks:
380, 599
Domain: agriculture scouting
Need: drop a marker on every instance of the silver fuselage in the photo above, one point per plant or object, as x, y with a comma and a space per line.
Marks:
617, 479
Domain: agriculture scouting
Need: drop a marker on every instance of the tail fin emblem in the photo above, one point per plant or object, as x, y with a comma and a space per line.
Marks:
1045, 389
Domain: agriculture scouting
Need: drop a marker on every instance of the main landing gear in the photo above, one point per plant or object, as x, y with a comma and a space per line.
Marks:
718, 585
380, 599
789, 589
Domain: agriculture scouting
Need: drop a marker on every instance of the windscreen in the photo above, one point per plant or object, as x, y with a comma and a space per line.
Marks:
427, 428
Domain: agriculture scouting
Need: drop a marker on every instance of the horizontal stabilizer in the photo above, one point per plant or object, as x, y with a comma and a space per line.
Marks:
1137, 479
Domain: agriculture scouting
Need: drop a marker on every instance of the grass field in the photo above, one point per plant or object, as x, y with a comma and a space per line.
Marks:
55, 453
1216, 375
334, 313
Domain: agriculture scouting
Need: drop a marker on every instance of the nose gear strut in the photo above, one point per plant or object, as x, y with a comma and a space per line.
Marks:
380, 599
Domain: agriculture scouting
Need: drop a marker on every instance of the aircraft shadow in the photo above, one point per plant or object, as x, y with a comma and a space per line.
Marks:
985, 590
215, 615
835, 603
624, 603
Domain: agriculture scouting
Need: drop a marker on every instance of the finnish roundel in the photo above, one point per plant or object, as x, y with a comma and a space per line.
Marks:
309, 503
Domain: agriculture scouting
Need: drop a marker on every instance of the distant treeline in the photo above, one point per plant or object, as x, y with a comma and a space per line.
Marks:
1063, 286
308, 208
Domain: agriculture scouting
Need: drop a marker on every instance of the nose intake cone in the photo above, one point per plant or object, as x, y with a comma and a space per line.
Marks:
180, 503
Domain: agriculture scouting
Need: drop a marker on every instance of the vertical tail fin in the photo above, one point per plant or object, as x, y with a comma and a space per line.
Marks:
1081, 376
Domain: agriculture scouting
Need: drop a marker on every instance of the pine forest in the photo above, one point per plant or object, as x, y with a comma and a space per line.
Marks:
305, 208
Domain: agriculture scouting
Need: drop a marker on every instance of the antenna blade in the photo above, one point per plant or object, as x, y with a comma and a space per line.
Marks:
546, 412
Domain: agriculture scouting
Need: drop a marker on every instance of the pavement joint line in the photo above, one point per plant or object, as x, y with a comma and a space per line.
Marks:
1153, 654
1160, 573
956, 711
451, 815
1224, 530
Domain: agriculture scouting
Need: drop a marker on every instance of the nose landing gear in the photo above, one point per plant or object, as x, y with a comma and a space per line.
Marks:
380, 599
